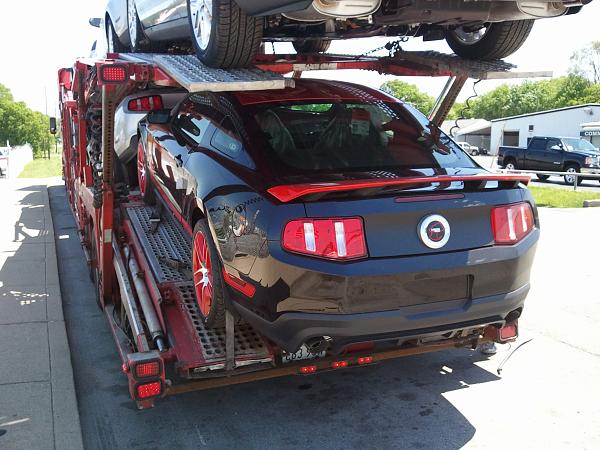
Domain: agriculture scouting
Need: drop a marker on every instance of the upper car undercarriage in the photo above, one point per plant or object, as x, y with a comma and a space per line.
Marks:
410, 18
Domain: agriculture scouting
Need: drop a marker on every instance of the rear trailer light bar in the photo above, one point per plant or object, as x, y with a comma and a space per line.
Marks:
287, 193
150, 103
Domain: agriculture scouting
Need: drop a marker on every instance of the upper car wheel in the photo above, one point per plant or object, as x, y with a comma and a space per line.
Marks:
311, 46
208, 277
492, 41
113, 45
134, 27
222, 34
510, 166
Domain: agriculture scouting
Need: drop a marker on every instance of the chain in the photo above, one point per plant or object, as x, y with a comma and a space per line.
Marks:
392, 47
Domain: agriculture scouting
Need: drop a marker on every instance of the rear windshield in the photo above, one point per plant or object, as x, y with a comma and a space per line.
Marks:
334, 136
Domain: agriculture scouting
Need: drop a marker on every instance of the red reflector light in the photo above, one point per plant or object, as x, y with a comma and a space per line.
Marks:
340, 239
113, 73
308, 369
365, 360
511, 223
147, 369
509, 331
339, 364
150, 103
148, 390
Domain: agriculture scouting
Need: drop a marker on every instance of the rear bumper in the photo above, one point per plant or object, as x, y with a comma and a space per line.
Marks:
292, 329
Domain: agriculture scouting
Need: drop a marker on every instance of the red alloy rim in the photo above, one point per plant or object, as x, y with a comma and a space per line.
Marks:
202, 268
141, 169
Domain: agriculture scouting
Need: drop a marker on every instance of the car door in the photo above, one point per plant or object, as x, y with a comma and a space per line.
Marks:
169, 156
553, 156
535, 154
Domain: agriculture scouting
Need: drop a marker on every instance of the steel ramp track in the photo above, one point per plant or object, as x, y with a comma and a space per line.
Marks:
200, 350
194, 76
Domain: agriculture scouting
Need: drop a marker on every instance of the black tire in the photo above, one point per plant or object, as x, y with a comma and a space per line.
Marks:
116, 45
542, 177
500, 40
474, 152
311, 46
234, 39
508, 162
136, 44
216, 314
576, 169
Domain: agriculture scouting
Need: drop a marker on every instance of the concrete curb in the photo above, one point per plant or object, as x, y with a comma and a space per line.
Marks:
591, 203
67, 428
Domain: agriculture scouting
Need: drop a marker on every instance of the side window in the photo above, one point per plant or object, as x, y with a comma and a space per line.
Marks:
551, 143
537, 144
227, 140
192, 122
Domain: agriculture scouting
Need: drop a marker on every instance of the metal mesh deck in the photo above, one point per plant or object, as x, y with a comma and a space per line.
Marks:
248, 343
194, 76
170, 242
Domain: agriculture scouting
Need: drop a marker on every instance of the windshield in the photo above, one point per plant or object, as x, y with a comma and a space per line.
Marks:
574, 144
331, 135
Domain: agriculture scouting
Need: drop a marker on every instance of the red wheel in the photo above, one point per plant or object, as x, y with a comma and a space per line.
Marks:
208, 280
144, 182
141, 165
203, 277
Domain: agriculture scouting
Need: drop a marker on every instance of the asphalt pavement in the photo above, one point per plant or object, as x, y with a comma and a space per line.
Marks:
547, 395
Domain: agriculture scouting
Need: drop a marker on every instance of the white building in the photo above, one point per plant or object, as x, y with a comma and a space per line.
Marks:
517, 130
591, 132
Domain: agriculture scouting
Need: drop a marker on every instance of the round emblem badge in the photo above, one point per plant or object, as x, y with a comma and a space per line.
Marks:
434, 231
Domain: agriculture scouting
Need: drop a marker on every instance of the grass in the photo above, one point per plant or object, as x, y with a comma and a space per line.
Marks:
561, 198
43, 168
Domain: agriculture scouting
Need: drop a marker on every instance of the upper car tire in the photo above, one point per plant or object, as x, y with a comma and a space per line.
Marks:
215, 316
136, 35
501, 39
116, 46
234, 38
311, 46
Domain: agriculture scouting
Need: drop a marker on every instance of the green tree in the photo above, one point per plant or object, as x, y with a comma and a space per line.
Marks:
409, 93
20, 125
586, 62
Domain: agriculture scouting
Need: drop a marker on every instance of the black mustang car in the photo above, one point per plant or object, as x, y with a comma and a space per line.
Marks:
331, 214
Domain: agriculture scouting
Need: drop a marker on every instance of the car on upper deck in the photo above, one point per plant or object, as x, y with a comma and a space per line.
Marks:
228, 33
331, 214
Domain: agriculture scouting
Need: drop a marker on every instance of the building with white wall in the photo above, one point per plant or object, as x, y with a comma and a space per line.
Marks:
591, 132
566, 122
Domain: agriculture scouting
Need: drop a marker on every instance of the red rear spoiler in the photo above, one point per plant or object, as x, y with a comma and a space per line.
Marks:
286, 193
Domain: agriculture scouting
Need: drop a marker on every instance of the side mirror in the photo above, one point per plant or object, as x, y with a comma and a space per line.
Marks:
159, 117
53, 125
556, 148
95, 22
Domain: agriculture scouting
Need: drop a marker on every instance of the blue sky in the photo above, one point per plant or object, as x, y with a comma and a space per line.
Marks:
36, 38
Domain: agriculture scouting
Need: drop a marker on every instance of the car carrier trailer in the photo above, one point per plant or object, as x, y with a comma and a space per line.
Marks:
140, 257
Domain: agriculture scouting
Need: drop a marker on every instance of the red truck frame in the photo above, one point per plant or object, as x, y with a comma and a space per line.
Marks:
162, 343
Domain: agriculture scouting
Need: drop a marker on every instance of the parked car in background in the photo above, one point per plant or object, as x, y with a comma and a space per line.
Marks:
553, 154
331, 214
471, 149
3, 161
228, 33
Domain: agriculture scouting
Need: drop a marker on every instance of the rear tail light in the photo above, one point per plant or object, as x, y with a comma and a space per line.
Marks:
511, 223
339, 239
150, 103
148, 390
147, 369
308, 369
